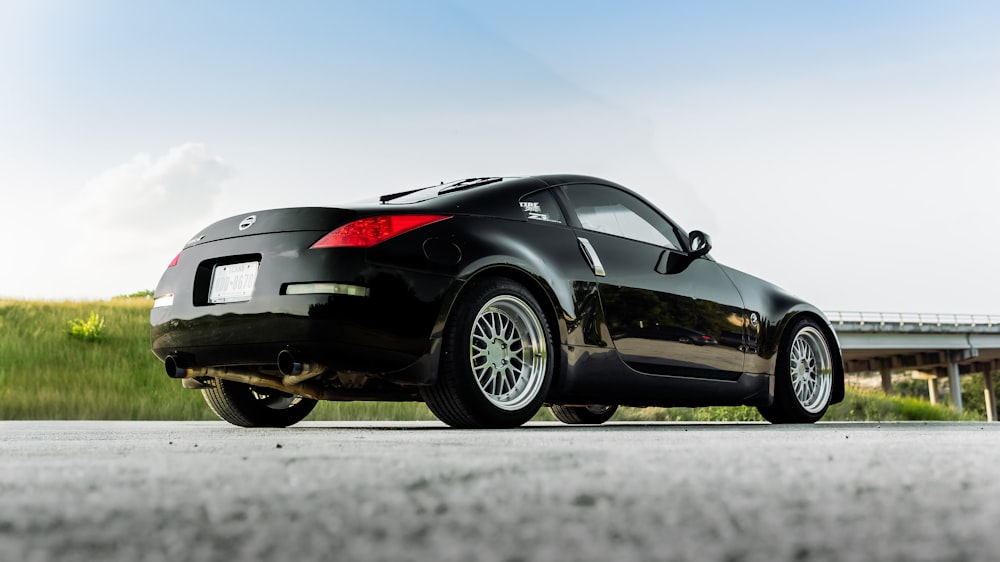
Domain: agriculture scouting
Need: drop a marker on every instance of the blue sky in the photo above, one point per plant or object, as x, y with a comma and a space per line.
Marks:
845, 150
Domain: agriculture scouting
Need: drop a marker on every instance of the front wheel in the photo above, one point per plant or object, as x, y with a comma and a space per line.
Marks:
803, 377
496, 363
253, 406
594, 414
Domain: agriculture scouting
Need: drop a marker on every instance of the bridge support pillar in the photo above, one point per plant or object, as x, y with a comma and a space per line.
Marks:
991, 397
932, 390
956, 386
886, 380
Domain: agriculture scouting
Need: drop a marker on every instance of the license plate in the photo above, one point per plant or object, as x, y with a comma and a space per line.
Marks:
233, 282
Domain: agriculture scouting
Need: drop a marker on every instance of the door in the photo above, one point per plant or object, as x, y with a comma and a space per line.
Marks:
668, 314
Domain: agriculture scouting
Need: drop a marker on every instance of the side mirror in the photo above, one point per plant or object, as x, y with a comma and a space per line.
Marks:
700, 243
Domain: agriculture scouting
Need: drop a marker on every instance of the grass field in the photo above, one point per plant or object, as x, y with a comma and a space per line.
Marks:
46, 373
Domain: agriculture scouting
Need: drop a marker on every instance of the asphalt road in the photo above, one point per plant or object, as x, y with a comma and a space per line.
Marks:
135, 491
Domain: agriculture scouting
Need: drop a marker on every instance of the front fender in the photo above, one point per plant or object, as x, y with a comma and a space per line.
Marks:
776, 310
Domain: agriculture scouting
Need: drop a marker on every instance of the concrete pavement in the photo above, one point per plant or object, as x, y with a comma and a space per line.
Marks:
134, 491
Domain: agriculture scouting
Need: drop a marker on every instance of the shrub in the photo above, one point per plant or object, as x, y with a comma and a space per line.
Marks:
91, 329
872, 405
144, 294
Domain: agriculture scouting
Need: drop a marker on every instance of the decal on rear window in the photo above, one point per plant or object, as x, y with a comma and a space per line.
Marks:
541, 206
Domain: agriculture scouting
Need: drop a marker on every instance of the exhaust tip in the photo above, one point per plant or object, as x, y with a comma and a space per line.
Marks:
174, 368
288, 364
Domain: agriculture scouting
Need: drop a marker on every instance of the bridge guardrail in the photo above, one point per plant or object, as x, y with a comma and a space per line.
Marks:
912, 318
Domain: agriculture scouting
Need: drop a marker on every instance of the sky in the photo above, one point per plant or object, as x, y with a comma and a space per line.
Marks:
848, 151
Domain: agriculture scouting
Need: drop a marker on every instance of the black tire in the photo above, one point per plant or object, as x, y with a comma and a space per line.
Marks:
594, 414
253, 406
497, 358
803, 382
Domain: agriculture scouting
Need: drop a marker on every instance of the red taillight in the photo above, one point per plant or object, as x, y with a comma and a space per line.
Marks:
366, 232
173, 262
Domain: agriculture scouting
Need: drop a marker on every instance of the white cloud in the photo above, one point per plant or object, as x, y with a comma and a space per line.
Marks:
146, 193
132, 218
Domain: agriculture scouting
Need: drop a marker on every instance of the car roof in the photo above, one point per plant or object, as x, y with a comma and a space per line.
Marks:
473, 187
490, 196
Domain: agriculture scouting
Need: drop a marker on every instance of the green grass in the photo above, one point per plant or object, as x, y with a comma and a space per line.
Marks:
858, 405
46, 373
872, 405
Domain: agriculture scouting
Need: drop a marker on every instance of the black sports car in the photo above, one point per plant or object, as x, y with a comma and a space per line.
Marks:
485, 298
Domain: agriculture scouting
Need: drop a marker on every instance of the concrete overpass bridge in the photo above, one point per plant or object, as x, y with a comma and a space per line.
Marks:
933, 346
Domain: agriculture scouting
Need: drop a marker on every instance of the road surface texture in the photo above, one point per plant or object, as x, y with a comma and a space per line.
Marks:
145, 491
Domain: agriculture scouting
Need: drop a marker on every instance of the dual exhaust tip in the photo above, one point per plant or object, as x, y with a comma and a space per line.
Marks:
176, 369
292, 367
295, 369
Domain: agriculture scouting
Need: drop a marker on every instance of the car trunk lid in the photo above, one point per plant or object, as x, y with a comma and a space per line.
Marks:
298, 219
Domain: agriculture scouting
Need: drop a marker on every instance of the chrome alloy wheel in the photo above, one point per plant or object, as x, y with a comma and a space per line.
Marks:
507, 352
811, 369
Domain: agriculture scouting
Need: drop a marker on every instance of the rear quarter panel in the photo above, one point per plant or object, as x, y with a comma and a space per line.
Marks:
545, 253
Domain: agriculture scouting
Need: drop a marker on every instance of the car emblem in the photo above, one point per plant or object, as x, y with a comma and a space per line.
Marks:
248, 222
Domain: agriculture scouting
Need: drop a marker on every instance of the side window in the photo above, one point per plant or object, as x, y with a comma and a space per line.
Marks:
612, 211
541, 206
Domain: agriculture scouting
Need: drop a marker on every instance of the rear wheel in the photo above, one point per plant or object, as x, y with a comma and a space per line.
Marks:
803, 378
253, 406
593, 414
496, 365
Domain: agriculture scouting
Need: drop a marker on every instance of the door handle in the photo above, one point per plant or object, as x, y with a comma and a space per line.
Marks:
588, 252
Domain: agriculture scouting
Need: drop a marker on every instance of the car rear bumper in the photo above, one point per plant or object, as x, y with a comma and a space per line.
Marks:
387, 328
